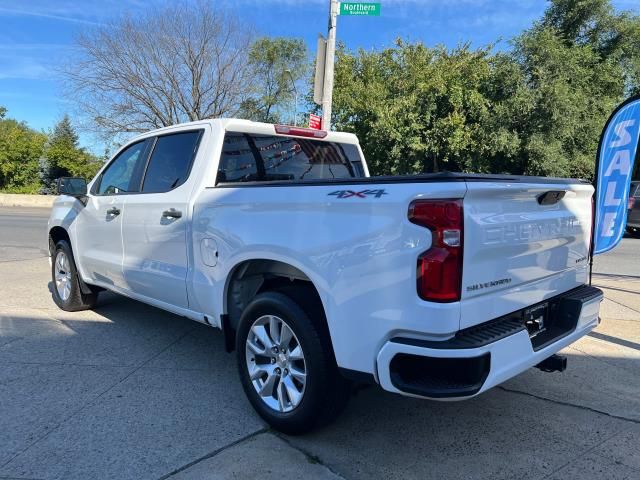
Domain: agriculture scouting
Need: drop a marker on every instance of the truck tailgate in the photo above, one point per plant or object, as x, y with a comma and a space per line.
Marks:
523, 243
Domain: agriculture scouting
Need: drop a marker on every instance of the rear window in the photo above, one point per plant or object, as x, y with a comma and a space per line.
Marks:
170, 162
250, 158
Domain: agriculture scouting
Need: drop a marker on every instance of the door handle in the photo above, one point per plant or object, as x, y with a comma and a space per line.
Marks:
113, 211
172, 213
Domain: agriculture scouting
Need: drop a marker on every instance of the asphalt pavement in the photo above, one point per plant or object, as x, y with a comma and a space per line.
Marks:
622, 260
23, 233
127, 391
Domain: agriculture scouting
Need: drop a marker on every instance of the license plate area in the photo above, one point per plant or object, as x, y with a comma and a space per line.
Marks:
536, 319
549, 321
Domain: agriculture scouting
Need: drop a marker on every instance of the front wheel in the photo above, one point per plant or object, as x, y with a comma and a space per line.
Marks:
286, 364
67, 292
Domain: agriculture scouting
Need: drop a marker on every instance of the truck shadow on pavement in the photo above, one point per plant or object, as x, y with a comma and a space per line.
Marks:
130, 391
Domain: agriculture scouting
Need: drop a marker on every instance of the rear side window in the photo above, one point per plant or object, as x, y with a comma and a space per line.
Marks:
171, 161
238, 162
249, 157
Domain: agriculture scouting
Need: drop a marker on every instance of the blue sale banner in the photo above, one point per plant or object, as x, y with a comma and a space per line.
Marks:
616, 154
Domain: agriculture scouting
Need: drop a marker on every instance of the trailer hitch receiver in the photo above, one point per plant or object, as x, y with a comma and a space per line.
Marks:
555, 363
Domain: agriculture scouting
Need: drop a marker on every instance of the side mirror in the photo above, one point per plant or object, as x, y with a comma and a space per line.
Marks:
72, 186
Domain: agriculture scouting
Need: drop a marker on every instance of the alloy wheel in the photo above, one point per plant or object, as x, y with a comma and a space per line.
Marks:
276, 364
63, 276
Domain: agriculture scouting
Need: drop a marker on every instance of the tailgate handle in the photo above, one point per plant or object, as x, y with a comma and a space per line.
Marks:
551, 197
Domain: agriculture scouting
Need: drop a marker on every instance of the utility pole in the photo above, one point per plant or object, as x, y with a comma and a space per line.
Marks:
327, 94
326, 53
295, 91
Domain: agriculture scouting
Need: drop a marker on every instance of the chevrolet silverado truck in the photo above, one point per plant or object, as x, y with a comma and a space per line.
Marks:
437, 286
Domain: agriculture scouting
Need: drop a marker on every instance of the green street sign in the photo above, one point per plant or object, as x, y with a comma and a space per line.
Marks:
360, 8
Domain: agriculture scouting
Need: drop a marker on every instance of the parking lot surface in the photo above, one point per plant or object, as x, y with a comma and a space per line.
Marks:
130, 392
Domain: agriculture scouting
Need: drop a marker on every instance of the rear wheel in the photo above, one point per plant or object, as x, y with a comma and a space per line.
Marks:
286, 363
67, 292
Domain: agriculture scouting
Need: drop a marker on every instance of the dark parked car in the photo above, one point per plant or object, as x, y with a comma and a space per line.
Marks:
633, 218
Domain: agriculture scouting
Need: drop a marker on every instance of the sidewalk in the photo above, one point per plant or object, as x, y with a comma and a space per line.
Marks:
18, 200
622, 296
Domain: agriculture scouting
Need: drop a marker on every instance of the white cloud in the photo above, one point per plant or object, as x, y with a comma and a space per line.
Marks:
83, 12
40, 14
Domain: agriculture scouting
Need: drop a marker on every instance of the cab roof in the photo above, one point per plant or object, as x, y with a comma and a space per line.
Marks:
248, 126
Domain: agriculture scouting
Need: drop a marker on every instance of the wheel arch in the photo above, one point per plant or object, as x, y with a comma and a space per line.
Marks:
56, 234
249, 277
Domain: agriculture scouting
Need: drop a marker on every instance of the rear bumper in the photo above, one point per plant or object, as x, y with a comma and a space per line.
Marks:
482, 357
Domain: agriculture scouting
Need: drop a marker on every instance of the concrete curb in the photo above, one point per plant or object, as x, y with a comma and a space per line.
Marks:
18, 200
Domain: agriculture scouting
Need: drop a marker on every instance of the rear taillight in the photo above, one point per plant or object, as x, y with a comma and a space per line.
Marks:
440, 268
631, 203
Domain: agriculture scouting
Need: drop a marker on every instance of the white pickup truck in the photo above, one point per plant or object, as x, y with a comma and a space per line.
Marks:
438, 286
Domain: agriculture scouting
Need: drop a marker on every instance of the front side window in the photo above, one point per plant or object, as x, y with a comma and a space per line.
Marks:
250, 157
170, 161
124, 172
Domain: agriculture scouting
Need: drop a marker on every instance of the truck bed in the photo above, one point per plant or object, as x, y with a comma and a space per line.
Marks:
419, 178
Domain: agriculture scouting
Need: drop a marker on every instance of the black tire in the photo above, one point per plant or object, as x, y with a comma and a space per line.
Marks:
326, 392
633, 232
77, 300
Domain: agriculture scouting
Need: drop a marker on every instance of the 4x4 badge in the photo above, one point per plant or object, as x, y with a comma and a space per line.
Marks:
361, 194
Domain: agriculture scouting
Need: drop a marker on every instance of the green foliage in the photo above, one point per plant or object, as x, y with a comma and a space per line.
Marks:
20, 148
63, 157
30, 161
64, 133
418, 109
574, 67
538, 109
277, 63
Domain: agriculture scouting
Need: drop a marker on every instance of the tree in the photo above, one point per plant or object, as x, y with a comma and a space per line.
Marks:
64, 132
573, 92
63, 157
419, 109
177, 63
579, 21
578, 66
20, 148
277, 64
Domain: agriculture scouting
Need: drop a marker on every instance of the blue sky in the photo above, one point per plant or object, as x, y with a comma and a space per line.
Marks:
37, 35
